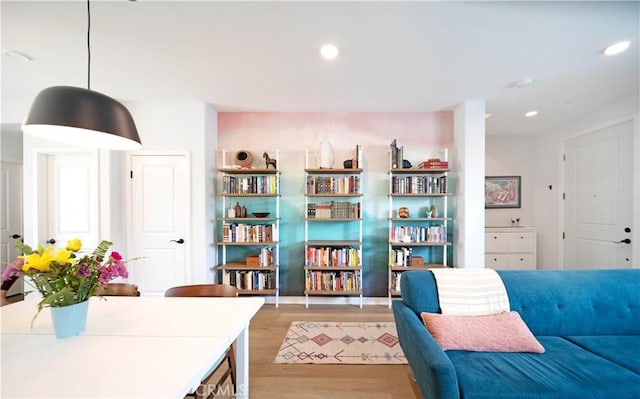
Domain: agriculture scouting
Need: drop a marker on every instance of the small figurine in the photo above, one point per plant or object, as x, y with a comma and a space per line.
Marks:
269, 161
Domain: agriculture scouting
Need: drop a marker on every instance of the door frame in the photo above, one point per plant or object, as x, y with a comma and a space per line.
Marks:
635, 213
128, 203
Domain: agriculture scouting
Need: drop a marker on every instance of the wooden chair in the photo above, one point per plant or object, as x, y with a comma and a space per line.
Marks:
118, 289
211, 290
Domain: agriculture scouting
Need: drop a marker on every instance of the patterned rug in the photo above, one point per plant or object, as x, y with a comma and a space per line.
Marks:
341, 343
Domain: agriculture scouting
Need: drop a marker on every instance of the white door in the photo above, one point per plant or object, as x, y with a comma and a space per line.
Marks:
159, 221
72, 199
598, 199
11, 217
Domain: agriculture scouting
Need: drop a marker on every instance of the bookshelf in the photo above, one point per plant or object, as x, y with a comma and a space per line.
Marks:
248, 224
333, 230
419, 221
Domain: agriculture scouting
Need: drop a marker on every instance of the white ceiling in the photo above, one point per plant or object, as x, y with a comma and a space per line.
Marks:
394, 56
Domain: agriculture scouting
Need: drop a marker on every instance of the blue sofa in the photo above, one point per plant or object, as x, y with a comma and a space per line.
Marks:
587, 320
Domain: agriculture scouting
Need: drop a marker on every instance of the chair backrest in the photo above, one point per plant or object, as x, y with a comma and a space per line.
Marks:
118, 289
202, 290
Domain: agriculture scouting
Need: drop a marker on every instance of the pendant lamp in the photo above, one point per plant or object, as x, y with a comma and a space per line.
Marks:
82, 117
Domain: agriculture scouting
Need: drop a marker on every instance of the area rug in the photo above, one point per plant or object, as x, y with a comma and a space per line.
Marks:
341, 343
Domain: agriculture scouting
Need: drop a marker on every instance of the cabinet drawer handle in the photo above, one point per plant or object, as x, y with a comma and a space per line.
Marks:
495, 259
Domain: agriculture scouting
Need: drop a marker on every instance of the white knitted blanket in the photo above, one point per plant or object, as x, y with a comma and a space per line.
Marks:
470, 292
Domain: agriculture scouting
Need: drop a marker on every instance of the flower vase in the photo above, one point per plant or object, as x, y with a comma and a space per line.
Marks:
325, 154
69, 320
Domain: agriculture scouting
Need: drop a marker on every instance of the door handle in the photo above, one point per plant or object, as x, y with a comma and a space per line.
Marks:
15, 236
51, 241
179, 241
625, 241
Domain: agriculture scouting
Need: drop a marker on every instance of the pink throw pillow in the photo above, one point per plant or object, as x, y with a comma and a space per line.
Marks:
503, 332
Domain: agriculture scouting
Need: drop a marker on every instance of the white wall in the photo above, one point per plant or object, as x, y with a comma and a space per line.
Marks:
509, 155
548, 212
190, 127
538, 159
469, 146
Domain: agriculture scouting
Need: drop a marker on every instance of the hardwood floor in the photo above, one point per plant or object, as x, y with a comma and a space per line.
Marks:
317, 381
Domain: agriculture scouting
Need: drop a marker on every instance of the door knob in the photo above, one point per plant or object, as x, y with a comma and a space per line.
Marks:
51, 241
179, 241
625, 241
15, 236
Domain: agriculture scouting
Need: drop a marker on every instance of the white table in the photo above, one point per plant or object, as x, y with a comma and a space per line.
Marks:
184, 333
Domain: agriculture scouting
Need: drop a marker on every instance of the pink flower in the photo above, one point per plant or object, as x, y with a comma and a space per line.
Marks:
13, 269
113, 269
116, 256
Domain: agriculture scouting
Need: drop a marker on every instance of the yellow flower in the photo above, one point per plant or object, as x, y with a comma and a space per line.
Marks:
64, 256
74, 245
39, 260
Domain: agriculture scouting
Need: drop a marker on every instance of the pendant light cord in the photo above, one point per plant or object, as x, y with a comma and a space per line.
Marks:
88, 44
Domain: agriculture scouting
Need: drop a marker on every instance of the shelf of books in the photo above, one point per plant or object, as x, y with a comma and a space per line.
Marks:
419, 219
333, 230
248, 228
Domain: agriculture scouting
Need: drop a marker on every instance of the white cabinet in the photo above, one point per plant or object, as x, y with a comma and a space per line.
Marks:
510, 248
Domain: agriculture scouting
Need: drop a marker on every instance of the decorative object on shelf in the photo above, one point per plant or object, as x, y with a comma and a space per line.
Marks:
231, 212
502, 192
397, 157
82, 117
65, 277
238, 210
348, 164
403, 212
244, 158
434, 211
325, 154
260, 214
428, 213
269, 161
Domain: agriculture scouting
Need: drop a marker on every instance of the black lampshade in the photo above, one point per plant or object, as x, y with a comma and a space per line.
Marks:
81, 117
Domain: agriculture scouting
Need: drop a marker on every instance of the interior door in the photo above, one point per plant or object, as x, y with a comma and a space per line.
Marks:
72, 198
11, 216
598, 199
159, 221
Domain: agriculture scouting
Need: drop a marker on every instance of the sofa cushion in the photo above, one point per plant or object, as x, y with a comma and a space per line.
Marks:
623, 350
564, 371
503, 332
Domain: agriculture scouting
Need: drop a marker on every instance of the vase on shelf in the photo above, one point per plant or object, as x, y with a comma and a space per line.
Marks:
69, 320
325, 156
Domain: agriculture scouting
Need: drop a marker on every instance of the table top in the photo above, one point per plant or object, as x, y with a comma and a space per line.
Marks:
144, 316
132, 347
42, 366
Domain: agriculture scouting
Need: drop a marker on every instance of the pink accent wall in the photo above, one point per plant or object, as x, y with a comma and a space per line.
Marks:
291, 130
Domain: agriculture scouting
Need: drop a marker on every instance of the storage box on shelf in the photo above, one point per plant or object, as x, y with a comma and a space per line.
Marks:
419, 222
248, 229
333, 231
510, 248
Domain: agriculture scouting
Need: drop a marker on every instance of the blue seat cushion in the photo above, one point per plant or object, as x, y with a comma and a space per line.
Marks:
564, 371
623, 350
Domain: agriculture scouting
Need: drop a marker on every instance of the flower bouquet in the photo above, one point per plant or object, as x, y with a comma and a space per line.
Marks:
66, 277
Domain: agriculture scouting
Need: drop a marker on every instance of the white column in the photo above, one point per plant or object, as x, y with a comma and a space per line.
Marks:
469, 165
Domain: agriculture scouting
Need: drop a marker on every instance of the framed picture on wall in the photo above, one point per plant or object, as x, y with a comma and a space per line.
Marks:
501, 192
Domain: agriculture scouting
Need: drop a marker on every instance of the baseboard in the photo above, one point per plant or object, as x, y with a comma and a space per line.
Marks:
324, 300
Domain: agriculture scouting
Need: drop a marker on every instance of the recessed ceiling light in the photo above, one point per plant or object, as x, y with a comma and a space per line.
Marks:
329, 52
526, 82
16, 55
617, 48
531, 113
